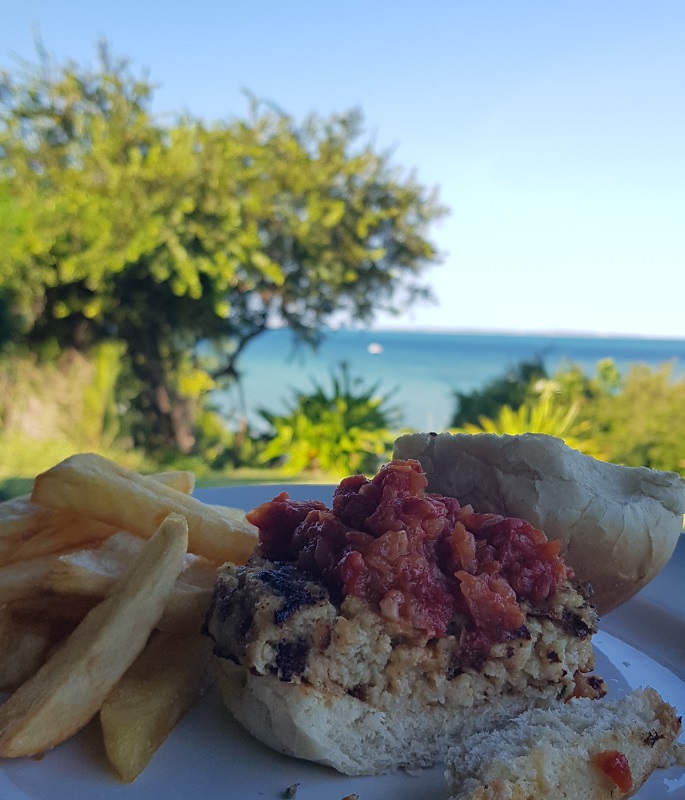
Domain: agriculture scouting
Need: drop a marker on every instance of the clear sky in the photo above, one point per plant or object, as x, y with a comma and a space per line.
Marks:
555, 130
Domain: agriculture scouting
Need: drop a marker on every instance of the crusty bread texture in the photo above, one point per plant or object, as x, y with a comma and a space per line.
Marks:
555, 753
618, 525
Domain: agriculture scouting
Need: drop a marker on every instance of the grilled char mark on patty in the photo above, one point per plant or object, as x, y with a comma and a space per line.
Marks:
271, 613
296, 587
574, 620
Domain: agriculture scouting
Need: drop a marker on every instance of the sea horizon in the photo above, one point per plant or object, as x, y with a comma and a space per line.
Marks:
389, 327
518, 332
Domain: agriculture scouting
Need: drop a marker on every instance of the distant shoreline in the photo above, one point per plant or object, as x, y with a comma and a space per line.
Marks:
554, 334
560, 334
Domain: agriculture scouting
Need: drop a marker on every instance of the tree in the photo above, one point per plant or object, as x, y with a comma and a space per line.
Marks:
162, 236
642, 424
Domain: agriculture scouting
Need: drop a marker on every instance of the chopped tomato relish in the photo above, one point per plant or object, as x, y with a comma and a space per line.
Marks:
419, 558
615, 766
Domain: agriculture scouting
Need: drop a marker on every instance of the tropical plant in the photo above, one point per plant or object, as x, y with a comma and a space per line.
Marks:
339, 431
511, 389
634, 419
116, 226
233, 446
545, 413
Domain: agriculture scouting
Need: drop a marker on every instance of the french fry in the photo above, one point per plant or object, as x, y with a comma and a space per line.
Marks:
180, 479
99, 488
24, 645
88, 571
22, 579
188, 603
69, 689
140, 712
63, 610
66, 586
92, 571
29, 530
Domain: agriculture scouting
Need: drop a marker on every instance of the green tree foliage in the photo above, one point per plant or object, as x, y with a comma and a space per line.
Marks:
345, 430
642, 424
159, 236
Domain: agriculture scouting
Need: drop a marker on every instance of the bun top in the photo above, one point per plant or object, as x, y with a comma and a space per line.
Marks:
618, 526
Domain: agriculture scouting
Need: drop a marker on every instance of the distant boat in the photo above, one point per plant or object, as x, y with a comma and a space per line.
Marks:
375, 348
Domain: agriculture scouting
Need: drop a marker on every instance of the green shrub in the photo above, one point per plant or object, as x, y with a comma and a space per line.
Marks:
511, 389
544, 412
223, 447
643, 424
341, 431
636, 419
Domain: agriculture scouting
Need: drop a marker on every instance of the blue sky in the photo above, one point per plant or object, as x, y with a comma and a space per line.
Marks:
554, 130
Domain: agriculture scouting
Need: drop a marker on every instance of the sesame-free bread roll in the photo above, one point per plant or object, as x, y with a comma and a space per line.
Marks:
618, 525
585, 750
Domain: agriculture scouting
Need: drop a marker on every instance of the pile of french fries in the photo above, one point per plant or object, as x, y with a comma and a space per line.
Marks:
105, 577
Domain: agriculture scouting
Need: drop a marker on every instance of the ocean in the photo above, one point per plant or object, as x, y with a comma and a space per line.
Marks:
421, 371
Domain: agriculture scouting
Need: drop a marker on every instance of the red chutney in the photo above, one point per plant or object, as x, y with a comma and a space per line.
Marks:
419, 558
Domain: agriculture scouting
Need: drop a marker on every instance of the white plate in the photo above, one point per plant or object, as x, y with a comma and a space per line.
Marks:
209, 757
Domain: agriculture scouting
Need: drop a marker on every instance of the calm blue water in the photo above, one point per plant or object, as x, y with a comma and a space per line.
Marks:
423, 370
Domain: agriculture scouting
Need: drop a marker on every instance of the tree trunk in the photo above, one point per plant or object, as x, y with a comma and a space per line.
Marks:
168, 418
169, 421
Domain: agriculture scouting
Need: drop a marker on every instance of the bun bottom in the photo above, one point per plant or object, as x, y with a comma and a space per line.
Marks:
348, 734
